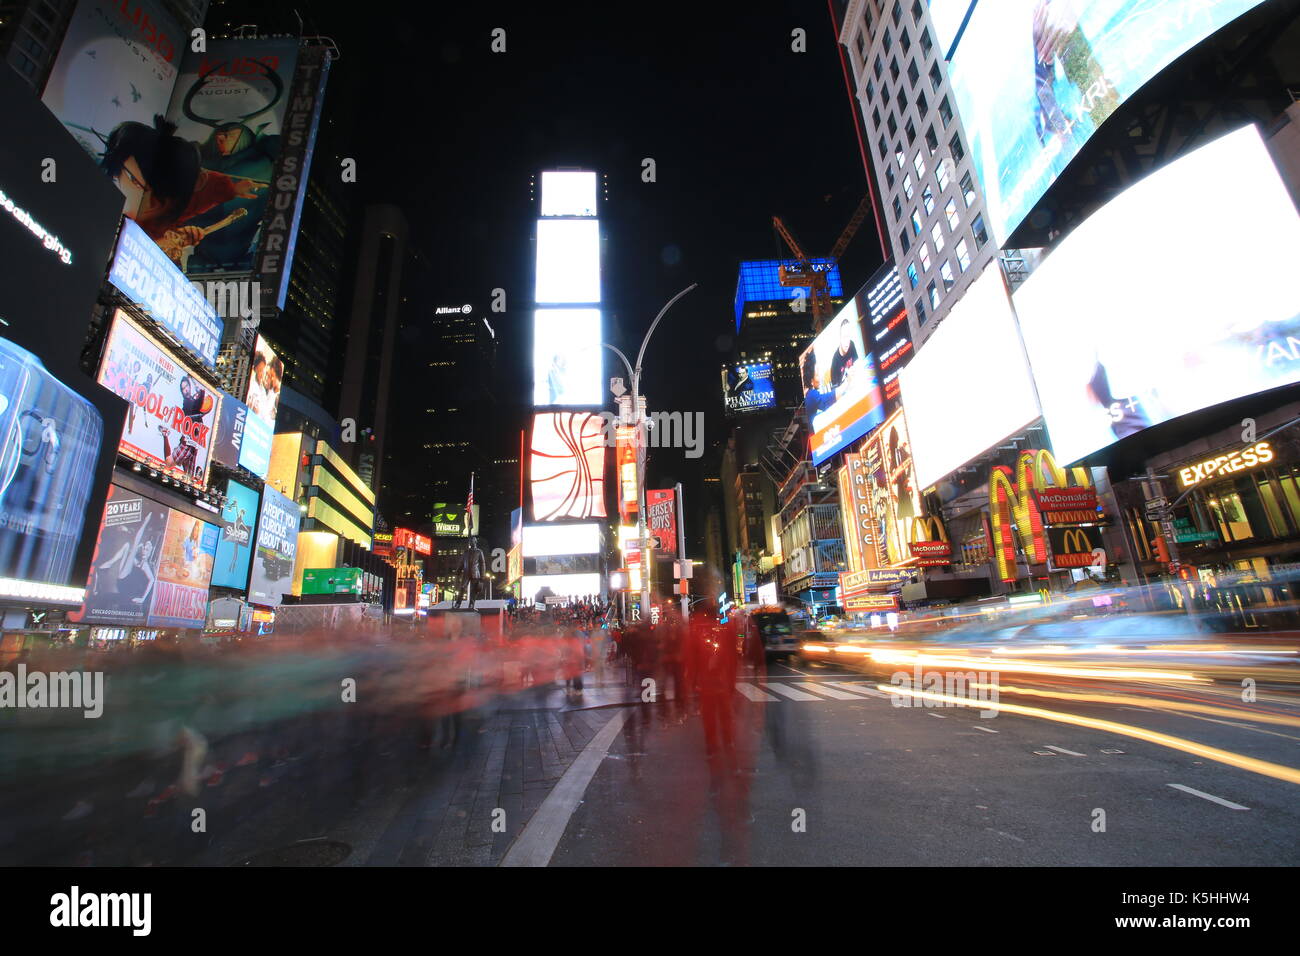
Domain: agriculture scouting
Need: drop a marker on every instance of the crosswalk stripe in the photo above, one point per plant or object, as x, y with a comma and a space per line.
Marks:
858, 688
753, 693
824, 690
787, 691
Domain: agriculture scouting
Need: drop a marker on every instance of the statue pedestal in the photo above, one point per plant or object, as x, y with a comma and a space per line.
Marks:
485, 620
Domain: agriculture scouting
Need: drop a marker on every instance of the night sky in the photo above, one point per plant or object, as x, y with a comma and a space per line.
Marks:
741, 128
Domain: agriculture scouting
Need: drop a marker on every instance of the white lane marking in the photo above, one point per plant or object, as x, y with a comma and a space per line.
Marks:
790, 692
1009, 836
824, 690
940, 716
1062, 750
1209, 796
859, 688
985, 729
541, 835
753, 693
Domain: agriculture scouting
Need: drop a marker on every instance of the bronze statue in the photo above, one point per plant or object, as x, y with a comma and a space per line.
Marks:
473, 569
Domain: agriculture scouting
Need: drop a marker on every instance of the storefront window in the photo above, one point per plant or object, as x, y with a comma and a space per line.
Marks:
1229, 514
1267, 495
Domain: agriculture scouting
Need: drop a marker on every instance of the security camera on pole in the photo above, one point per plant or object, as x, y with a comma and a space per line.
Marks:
638, 410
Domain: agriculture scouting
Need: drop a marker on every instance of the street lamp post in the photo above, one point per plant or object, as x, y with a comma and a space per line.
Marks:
634, 373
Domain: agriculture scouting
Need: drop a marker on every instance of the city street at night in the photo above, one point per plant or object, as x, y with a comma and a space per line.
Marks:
813, 433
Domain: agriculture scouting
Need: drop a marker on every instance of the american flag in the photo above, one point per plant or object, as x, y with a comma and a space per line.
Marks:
469, 505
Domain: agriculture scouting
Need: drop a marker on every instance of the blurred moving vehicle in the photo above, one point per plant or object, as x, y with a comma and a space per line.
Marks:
772, 626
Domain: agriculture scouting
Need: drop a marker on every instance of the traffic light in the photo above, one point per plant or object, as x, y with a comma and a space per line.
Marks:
1162, 550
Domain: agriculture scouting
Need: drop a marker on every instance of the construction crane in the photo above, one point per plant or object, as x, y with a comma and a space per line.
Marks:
813, 277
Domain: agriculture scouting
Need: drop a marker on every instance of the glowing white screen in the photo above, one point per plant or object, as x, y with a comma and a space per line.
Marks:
568, 194
1200, 319
563, 585
566, 357
568, 261
969, 386
545, 540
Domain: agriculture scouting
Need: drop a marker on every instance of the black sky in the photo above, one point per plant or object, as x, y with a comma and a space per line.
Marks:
739, 125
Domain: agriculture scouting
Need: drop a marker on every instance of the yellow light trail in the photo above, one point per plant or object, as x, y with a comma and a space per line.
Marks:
1240, 761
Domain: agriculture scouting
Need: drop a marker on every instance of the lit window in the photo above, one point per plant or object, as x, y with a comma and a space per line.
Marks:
946, 272
968, 189
942, 175
916, 221
927, 198
912, 276
907, 186
924, 254
918, 163
937, 235
954, 220
934, 295
963, 256
899, 157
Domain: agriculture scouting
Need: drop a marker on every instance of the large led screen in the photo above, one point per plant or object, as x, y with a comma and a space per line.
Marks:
568, 193
541, 540
748, 387
841, 389
1199, 321
969, 387
235, 548
171, 413
568, 261
1034, 79
566, 357
277, 547
561, 585
568, 466
264, 381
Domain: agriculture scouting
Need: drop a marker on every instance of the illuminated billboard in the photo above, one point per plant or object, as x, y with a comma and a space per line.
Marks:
235, 547
241, 439
170, 413
144, 274
229, 107
841, 389
124, 571
970, 387
661, 519
1186, 331
1034, 79
277, 547
561, 585
331, 581
180, 597
543, 539
566, 357
117, 64
568, 193
568, 261
760, 281
408, 539
749, 387
265, 378
568, 466
895, 502
887, 334
450, 521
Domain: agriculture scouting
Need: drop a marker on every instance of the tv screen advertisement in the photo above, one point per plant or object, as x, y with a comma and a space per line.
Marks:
748, 388
55, 240
277, 547
1186, 330
235, 546
842, 393
1034, 79
180, 597
265, 379
970, 386
568, 466
567, 357
170, 412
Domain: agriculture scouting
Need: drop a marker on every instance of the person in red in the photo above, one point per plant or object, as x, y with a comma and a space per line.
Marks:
712, 658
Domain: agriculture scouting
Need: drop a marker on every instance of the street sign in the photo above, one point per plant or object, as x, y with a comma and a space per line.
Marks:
1156, 505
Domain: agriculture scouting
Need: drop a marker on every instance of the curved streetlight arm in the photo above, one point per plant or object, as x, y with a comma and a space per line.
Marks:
646, 341
626, 363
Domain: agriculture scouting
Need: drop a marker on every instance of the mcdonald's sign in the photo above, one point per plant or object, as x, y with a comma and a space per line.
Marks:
1015, 506
929, 542
1077, 547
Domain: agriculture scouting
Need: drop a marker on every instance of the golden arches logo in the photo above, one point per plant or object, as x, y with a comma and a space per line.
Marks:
1075, 541
1036, 469
930, 528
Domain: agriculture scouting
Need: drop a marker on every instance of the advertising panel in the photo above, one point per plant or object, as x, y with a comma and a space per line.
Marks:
277, 546
235, 549
568, 261
747, 388
331, 581
1112, 359
124, 571
970, 387
405, 538
170, 415
568, 466
180, 597
115, 71
561, 585
568, 193
895, 501
841, 390
144, 274
230, 103
1034, 79
228, 435
566, 357
60, 427
889, 338
451, 521
760, 281
661, 519
1077, 547
625, 462
540, 540
265, 378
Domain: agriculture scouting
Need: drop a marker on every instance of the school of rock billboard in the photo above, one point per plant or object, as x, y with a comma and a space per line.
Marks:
170, 412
